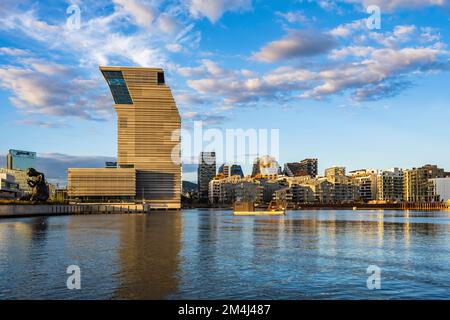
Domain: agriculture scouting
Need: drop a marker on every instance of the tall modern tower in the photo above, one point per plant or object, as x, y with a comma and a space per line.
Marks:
148, 142
205, 173
20, 160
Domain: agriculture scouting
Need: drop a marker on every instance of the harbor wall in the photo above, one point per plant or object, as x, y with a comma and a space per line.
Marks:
15, 210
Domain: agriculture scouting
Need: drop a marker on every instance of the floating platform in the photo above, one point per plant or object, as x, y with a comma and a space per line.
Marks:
247, 208
259, 213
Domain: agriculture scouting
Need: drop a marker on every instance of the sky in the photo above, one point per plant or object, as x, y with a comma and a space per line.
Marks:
339, 84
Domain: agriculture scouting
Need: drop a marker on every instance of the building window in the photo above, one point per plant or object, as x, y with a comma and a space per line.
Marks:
118, 87
127, 166
161, 78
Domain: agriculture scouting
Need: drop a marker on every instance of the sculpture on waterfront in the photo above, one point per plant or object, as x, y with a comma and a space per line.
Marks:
39, 187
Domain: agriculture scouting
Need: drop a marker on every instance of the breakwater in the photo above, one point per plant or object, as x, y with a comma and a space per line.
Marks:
17, 210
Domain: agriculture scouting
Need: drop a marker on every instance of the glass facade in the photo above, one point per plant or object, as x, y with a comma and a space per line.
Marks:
118, 87
22, 160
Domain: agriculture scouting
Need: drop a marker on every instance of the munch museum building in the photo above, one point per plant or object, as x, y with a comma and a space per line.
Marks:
148, 122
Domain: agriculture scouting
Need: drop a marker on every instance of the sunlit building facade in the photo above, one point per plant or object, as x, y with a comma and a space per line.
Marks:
417, 186
148, 141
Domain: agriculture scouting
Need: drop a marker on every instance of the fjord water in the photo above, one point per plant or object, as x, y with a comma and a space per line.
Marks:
210, 254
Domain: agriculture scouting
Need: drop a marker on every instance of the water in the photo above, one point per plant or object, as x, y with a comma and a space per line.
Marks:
202, 254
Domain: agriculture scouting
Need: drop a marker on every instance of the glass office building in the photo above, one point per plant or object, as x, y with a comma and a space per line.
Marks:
21, 160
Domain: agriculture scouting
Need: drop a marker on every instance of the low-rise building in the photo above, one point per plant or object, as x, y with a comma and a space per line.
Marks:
20, 177
102, 185
9, 189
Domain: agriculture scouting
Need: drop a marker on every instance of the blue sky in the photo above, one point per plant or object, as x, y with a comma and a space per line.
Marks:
336, 90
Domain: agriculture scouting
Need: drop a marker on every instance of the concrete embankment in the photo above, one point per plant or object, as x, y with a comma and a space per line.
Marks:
15, 210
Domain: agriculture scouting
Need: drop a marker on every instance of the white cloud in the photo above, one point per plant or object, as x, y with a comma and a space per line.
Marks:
207, 67
392, 5
13, 51
371, 77
396, 38
352, 51
142, 11
167, 24
296, 44
40, 87
293, 16
174, 47
383, 64
214, 9
345, 30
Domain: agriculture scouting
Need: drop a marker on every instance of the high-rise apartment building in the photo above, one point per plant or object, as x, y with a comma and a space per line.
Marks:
417, 186
20, 160
205, 173
148, 144
390, 185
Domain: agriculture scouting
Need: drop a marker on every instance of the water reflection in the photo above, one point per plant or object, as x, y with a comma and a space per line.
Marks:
213, 255
149, 256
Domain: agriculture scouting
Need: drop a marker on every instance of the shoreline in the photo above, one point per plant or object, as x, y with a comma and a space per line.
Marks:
29, 210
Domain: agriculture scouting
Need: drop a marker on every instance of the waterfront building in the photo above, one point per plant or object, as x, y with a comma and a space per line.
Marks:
58, 194
249, 190
214, 189
231, 170
102, 185
299, 192
20, 177
9, 189
390, 185
265, 167
441, 188
344, 190
284, 195
270, 186
227, 190
20, 160
322, 189
417, 186
294, 169
148, 151
366, 180
205, 173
